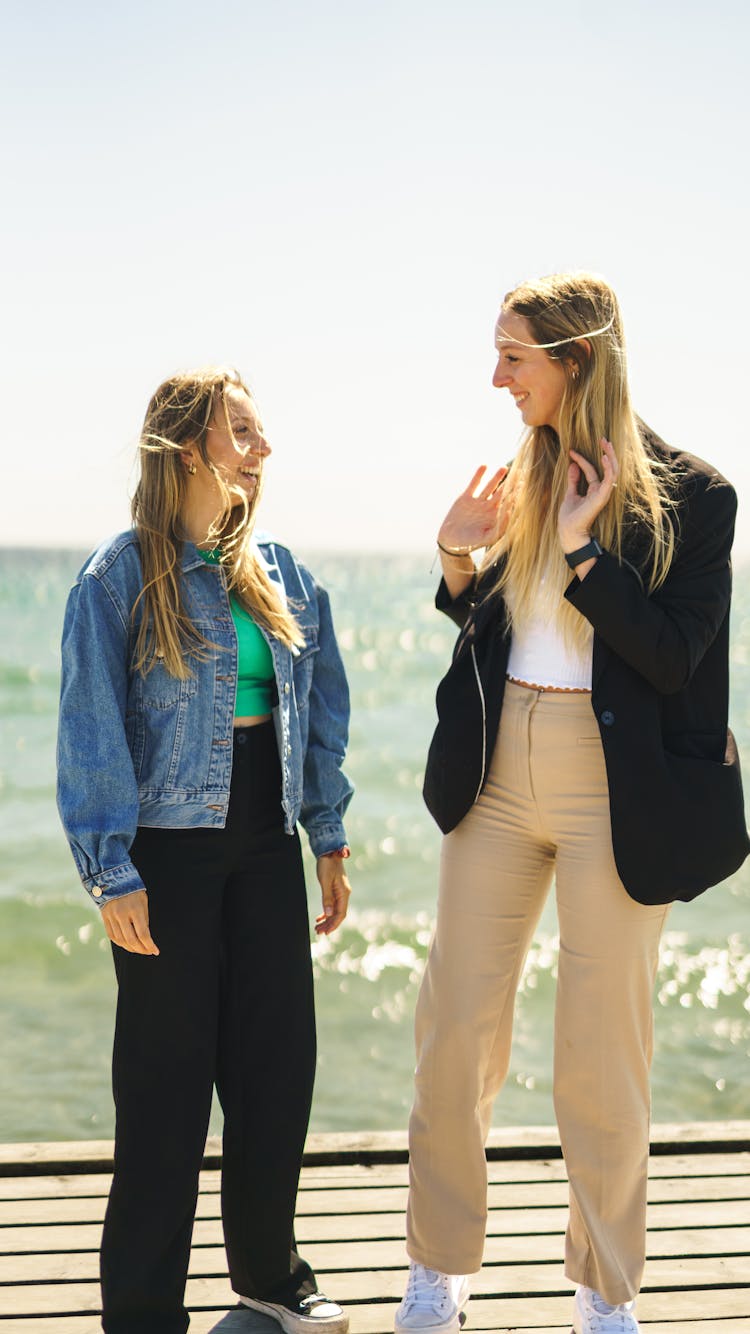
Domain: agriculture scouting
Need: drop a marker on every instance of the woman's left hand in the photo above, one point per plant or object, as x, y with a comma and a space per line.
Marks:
577, 513
336, 890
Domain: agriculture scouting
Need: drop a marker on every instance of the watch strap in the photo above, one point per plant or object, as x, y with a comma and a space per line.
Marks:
590, 550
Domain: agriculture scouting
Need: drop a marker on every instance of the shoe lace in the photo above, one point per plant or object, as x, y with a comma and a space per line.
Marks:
427, 1288
314, 1299
619, 1319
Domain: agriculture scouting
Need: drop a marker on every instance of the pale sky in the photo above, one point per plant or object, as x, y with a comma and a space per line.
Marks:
334, 197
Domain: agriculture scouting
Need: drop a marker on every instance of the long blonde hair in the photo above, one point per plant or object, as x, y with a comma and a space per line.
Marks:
596, 402
178, 416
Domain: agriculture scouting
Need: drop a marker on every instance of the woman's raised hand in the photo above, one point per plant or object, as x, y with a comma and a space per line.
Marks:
577, 513
477, 518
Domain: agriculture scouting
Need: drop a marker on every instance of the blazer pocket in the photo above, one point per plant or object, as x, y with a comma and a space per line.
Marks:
696, 745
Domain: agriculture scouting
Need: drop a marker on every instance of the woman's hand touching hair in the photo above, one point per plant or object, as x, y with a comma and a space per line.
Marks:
578, 512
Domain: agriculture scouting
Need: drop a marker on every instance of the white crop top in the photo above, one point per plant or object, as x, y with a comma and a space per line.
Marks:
540, 656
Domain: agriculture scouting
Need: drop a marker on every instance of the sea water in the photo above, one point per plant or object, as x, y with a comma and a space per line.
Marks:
56, 976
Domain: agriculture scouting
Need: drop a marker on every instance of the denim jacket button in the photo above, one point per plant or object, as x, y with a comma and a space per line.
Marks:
97, 891
286, 687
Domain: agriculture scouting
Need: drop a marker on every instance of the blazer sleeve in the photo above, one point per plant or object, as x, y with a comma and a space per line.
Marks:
664, 635
457, 609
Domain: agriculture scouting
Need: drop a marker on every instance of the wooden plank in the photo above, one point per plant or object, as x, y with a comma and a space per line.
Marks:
382, 1146
237, 1321
678, 1165
691, 1327
525, 1195
25, 1159
507, 1316
76, 1187
49, 1187
729, 1250
713, 1214
93, 1184
544, 1279
722, 1134
83, 1266
726, 1311
731, 1244
716, 1216
80, 1298
514, 1282
376, 1199
712, 1228
373, 1320
528, 1235
553, 1316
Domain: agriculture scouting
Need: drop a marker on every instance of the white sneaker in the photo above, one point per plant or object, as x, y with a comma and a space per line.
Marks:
592, 1315
433, 1302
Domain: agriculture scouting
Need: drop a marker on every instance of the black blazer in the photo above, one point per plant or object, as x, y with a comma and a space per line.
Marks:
660, 694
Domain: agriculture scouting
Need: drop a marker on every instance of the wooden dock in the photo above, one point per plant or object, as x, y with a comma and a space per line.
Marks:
351, 1227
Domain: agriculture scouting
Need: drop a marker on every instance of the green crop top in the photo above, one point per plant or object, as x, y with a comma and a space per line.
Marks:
255, 674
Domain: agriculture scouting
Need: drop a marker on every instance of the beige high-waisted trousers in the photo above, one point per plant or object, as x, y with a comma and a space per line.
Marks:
544, 810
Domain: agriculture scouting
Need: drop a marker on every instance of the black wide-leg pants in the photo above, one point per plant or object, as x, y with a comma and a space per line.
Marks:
229, 1002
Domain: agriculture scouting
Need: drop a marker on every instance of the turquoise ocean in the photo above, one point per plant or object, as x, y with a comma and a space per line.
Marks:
56, 975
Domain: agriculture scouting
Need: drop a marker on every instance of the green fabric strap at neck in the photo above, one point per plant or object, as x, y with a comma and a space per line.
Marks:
255, 674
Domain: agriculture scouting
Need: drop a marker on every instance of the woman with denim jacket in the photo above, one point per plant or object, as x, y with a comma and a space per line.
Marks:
204, 710
583, 734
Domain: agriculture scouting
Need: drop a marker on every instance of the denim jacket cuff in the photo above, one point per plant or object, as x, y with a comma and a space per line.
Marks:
113, 884
326, 838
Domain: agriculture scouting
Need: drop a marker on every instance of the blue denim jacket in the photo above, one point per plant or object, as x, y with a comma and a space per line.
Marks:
152, 750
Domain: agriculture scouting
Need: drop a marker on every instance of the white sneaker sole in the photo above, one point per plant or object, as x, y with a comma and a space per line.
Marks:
298, 1324
447, 1327
577, 1329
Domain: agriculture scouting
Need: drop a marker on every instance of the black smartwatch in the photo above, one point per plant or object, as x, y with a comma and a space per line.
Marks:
590, 550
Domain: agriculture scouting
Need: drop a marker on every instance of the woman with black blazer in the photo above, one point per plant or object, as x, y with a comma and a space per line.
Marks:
582, 733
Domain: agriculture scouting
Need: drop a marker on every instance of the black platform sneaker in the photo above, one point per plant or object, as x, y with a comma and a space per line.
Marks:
309, 1313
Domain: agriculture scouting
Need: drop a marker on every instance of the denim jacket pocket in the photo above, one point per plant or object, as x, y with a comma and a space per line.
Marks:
159, 690
162, 704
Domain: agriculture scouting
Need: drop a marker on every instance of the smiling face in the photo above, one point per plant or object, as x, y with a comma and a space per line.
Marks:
236, 448
534, 379
235, 442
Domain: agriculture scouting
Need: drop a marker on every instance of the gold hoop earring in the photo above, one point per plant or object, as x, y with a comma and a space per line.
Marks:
192, 469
